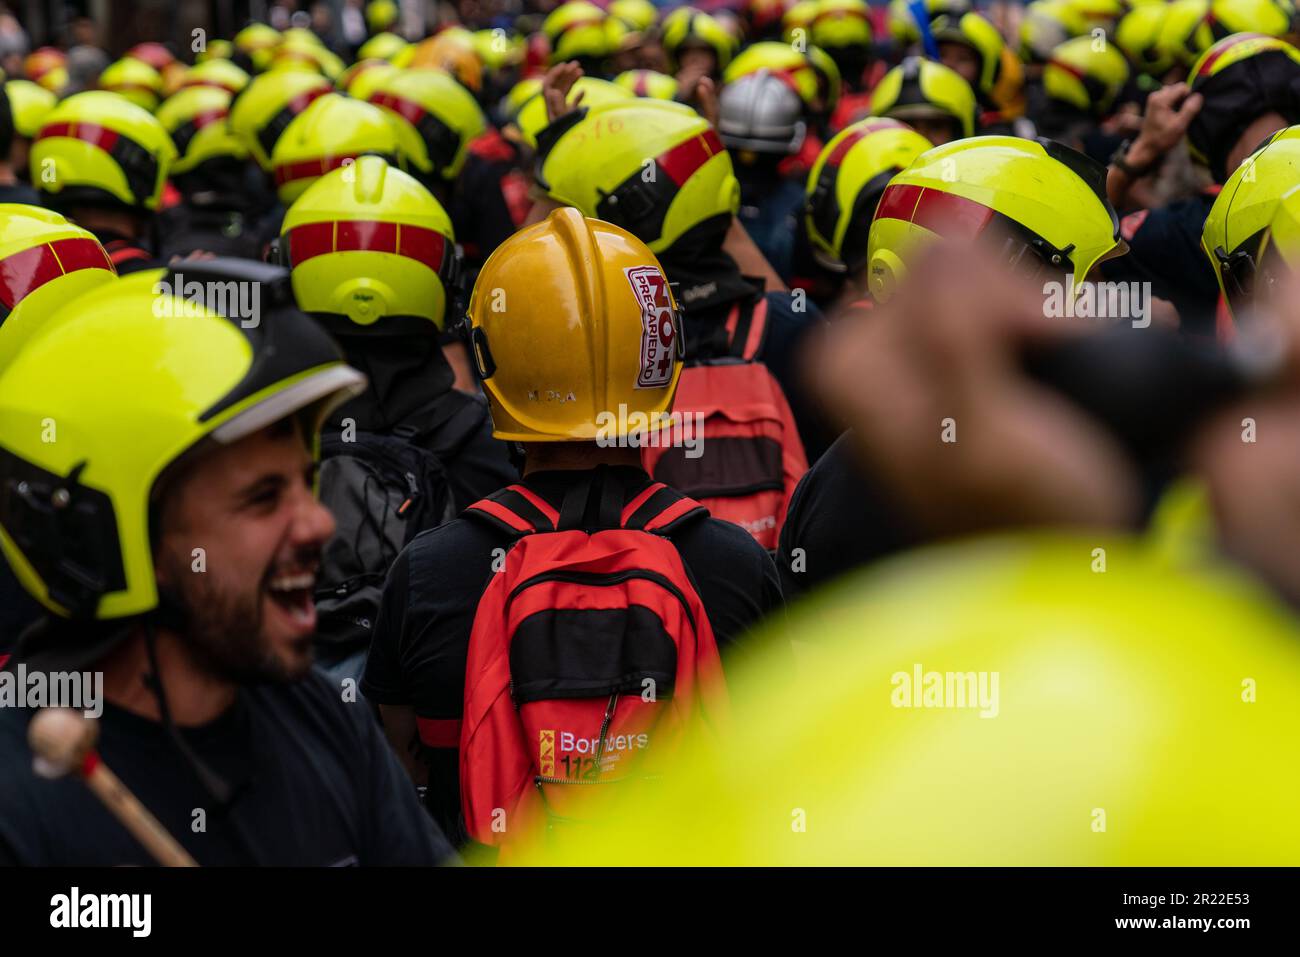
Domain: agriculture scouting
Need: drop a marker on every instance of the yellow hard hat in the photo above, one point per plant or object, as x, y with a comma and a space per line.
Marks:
453, 51
687, 27
371, 246
1191, 27
218, 73
196, 118
651, 83
260, 114
923, 88
382, 46
846, 183
1050, 199
655, 168
258, 41
215, 50
902, 22
136, 375
29, 103
436, 116
1233, 232
812, 71
44, 261
578, 28
841, 23
618, 349
331, 132
360, 79
531, 117
1138, 35
1038, 712
1086, 75
134, 80
381, 14
100, 147
1279, 250
1045, 25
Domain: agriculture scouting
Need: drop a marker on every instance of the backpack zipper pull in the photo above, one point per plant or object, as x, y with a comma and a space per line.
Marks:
414, 488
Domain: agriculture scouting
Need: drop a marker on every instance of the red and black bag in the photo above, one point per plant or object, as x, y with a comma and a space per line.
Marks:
751, 457
590, 660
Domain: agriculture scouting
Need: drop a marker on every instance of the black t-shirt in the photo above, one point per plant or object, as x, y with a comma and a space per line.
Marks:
1165, 250
839, 518
421, 638
316, 784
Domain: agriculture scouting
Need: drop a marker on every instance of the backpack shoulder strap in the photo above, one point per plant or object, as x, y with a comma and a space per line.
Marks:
661, 510
516, 510
747, 328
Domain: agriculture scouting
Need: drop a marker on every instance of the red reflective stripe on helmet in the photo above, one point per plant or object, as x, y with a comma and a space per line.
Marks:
408, 110
74, 254
843, 146
129, 87
438, 732
288, 172
306, 242
100, 136
304, 100
1214, 57
898, 202
681, 162
207, 118
423, 245
360, 235
1069, 68
24, 272
642, 86
944, 213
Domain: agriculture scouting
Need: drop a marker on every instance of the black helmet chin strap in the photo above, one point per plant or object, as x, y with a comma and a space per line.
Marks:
213, 785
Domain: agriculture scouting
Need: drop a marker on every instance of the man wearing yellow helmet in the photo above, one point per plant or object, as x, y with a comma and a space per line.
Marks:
13, 153
762, 122
218, 212
930, 97
180, 425
572, 395
664, 175
1242, 89
375, 261
104, 163
44, 261
27, 105
1041, 207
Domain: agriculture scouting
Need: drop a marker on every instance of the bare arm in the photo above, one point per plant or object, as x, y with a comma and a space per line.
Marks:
750, 258
404, 737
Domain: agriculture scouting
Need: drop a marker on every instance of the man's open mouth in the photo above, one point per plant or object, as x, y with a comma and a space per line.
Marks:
294, 594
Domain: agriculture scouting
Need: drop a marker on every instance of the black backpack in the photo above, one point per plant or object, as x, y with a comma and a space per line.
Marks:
383, 490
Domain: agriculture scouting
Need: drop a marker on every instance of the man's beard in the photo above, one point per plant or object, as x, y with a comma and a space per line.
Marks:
222, 630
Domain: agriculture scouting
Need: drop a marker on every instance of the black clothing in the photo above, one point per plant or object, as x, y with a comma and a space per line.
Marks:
315, 784
421, 639
838, 519
19, 193
1165, 250
410, 387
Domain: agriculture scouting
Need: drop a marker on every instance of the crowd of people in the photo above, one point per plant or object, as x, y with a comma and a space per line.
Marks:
413, 431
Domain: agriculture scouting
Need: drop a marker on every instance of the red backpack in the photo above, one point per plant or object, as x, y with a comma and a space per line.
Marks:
590, 658
751, 454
